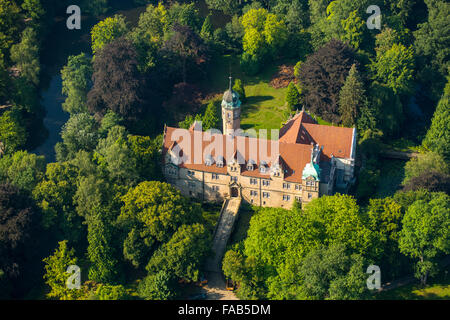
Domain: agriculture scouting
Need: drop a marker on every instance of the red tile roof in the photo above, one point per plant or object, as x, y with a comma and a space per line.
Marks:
294, 146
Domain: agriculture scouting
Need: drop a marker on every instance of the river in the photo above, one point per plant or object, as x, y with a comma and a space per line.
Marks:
62, 43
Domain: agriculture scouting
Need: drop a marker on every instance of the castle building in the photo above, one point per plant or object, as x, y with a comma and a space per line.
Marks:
307, 161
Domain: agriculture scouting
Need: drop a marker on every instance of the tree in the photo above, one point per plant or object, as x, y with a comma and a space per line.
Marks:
108, 292
275, 33
431, 180
354, 28
104, 266
149, 34
384, 221
292, 96
432, 36
146, 154
26, 56
386, 39
239, 88
158, 286
351, 98
386, 107
115, 156
437, 138
34, 9
337, 220
183, 254
118, 84
186, 45
106, 31
12, 132
322, 76
22, 169
330, 273
395, 68
264, 34
185, 14
9, 22
211, 118
78, 133
424, 163
19, 229
425, 233
76, 82
229, 7
55, 273
109, 120
207, 29
54, 195
155, 210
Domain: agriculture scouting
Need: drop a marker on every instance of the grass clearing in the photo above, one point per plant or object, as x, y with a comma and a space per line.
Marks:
438, 289
265, 107
392, 173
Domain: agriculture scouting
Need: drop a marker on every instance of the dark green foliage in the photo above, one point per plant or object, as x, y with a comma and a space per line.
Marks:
211, 118
76, 78
183, 254
437, 138
207, 29
351, 98
118, 84
292, 96
159, 286
330, 273
239, 88
19, 225
431, 180
22, 169
79, 133
12, 132
322, 76
26, 56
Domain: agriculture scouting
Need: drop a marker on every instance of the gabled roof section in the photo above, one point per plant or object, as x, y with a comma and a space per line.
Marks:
302, 129
292, 132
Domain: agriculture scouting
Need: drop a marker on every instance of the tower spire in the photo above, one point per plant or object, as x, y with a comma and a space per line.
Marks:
230, 82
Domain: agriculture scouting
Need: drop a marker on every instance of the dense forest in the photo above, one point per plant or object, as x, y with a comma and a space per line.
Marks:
104, 205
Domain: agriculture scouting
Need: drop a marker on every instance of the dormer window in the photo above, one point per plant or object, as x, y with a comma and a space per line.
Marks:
219, 162
263, 167
209, 160
250, 165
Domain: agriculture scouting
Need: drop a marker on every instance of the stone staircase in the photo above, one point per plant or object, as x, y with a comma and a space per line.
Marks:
228, 216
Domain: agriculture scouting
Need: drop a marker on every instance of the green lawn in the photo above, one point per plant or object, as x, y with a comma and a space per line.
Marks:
439, 289
265, 107
391, 176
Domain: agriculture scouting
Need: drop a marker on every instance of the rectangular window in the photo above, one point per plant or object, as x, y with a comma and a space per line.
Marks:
253, 181
266, 183
253, 193
309, 195
298, 187
286, 197
234, 179
266, 194
286, 186
215, 176
299, 199
191, 173
215, 188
